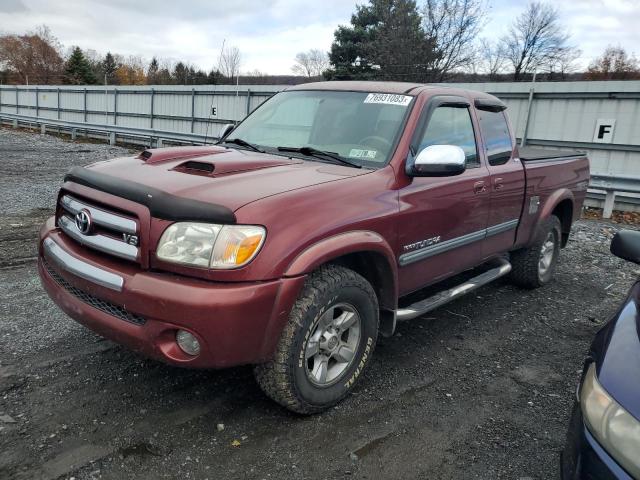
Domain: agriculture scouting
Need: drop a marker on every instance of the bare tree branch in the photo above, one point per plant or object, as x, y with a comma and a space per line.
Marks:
311, 63
536, 40
230, 61
453, 26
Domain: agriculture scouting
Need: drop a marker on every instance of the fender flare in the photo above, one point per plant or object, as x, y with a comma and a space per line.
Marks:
553, 200
330, 248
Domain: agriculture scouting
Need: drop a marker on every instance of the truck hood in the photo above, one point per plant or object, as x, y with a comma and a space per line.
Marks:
222, 176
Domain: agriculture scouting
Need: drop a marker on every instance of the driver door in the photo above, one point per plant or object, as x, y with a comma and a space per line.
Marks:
443, 219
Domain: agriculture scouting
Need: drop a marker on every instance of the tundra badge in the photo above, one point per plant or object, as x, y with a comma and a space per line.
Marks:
422, 244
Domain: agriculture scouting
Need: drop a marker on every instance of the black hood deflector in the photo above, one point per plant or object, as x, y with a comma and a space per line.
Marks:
161, 204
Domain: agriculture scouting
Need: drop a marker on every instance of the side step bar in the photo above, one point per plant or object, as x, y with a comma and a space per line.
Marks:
423, 306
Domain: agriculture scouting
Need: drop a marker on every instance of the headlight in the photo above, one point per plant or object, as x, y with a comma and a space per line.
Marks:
209, 245
615, 428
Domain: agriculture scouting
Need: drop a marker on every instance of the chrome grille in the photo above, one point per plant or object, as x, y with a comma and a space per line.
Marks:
110, 229
97, 303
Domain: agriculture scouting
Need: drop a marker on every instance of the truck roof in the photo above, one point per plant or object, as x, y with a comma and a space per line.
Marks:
404, 88
362, 86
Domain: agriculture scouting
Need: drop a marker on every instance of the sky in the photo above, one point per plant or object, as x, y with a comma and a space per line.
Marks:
269, 33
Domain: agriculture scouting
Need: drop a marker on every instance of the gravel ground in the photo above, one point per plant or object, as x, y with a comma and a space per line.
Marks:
481, 388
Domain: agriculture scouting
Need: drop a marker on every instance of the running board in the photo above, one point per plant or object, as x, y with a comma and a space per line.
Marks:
423, 306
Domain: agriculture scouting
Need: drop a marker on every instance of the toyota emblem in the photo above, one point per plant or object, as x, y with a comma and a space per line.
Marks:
83, 221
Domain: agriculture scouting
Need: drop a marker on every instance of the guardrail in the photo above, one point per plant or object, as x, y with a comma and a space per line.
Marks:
610, 184
613, 184
145, 136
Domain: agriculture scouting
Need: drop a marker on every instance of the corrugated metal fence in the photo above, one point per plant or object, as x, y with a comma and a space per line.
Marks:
201, 109
601, 118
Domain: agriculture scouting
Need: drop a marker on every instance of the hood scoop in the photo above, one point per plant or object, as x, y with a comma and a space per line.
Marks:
195, 167
157, 155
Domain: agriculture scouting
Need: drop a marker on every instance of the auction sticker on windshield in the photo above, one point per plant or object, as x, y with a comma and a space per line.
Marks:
388, 98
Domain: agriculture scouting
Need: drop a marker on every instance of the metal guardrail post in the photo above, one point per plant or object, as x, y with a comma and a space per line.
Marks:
84, 104
17, 102
151, 109
193, 108
248, 101
115, 106
58, 104
37, 103
112, 138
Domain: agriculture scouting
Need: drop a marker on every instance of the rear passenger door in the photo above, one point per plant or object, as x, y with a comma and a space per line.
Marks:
442, 220
507, 181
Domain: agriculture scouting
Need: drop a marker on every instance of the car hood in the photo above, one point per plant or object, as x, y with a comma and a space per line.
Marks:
222, 176
616, 350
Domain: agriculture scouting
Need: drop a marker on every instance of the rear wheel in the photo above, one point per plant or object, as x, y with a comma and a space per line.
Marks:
535, 265
327, 343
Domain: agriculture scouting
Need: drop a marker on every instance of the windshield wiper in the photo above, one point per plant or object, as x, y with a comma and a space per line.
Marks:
243, 143
313, 152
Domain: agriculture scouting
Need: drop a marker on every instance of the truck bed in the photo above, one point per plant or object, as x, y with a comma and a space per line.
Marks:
532, 154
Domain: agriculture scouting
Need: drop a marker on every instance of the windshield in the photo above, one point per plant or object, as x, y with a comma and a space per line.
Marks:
358, 126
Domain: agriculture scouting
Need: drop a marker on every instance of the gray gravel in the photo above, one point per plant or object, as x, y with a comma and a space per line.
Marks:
31, 170
481, 388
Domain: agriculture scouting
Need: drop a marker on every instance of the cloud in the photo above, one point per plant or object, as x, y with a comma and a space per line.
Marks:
12, 6
269, 32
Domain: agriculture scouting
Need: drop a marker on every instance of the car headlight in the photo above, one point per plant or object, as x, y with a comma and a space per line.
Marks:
210, 245
615, 429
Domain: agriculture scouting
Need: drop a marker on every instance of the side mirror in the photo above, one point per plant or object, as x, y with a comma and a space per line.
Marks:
226, 130
626, 245
438, 161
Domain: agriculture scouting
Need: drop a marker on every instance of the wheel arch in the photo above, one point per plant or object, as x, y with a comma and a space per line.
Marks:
560, 203
365, 252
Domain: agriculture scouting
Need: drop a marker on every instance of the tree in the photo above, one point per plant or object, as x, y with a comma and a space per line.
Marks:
385, 40
77, 70
108, 69
34, 57
152, 72
311, 64
491, 58
614, 64
453, 25
130, 71
230, 60
180, 74
535, 39
215, 77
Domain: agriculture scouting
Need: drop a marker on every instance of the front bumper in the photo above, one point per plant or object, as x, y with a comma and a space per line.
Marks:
236, 323
584, 458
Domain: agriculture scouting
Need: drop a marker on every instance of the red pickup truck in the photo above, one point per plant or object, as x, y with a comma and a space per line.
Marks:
309, 229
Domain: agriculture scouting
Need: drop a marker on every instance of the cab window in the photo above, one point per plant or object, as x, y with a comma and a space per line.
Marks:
450, 125
497, 139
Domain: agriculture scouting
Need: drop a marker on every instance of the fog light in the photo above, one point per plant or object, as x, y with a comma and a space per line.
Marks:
187, 342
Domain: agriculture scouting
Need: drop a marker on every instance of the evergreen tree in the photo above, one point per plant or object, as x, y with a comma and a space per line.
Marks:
385, 40
108, 67
214, 77
180, 74
152, 72
77, 70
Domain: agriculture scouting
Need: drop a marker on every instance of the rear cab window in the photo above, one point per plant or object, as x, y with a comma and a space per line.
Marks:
497, 138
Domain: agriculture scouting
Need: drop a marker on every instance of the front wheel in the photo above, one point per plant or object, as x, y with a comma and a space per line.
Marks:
535, 265
327, 343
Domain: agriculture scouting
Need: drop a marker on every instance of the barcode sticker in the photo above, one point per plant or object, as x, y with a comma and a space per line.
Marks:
388, 98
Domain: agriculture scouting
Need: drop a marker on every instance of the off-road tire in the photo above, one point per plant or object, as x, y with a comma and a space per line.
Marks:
284, 378
525, 262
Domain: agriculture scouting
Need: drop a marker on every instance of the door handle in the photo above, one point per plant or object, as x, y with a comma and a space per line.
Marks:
497, 184
479, 187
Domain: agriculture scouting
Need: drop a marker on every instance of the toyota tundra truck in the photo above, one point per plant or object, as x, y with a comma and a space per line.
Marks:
332, 212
